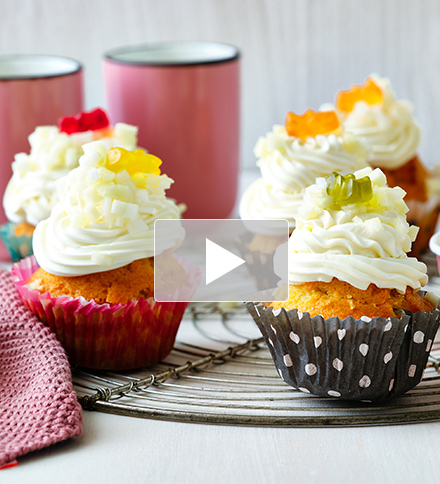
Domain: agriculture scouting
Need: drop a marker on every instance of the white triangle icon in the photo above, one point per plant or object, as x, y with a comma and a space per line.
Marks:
219, 261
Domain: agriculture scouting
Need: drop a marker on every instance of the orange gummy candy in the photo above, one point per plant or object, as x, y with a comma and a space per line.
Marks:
370, 92
311, 123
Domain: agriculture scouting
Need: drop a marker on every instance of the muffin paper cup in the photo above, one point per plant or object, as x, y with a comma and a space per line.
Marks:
18, 247
107, 336
354, 359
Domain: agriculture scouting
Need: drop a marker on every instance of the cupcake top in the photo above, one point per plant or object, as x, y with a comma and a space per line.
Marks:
354, 228
373, 112
105, 215
292, 156
31, 194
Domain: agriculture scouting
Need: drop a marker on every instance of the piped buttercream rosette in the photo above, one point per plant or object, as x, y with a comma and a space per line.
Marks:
292, 156
106, 212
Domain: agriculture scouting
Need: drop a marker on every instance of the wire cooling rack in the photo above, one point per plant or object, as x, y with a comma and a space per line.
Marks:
221, 372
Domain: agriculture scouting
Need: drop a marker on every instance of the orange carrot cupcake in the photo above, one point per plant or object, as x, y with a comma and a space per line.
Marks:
92, 278
354, 325
372, 111
31, 194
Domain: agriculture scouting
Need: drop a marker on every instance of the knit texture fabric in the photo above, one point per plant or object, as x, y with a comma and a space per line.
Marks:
38, 406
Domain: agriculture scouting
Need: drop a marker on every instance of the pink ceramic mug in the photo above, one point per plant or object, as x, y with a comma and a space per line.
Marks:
35, 90
185, 98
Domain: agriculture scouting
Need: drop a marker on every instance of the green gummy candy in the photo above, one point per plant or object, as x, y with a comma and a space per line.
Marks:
347, 190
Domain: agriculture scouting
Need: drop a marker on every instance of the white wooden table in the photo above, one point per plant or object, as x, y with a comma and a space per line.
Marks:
117, 449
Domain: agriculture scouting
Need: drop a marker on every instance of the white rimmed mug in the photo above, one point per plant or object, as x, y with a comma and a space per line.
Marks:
185, 99
35, 90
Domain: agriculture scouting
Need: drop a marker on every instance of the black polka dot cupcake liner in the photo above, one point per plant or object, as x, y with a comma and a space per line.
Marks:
354, 359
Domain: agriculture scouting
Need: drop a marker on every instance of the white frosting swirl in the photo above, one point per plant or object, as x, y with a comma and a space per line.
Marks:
389, 127
31, 193
359, 243
289, 164
102, 220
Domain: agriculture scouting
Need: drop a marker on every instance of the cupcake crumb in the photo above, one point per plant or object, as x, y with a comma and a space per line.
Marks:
339, 298
117, 286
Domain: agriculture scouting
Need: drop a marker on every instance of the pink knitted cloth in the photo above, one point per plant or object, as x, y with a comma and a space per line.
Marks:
38, 406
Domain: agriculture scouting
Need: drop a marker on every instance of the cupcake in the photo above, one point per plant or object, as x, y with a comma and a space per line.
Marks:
290, 158
355, 325
372, 111
30, 193
92, 278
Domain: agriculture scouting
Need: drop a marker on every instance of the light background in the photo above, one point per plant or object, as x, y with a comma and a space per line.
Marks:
296, 54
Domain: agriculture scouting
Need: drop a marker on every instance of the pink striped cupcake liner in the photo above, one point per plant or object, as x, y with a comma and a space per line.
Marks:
107, 336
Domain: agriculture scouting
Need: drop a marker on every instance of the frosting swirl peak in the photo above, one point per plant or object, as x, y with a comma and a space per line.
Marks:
289, 164
105, 215
360, 243
31, 193
387, 124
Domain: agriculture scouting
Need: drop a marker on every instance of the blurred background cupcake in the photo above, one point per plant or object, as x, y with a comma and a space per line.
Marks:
290, 158
373, 112
354, 325
95, 284
54, 151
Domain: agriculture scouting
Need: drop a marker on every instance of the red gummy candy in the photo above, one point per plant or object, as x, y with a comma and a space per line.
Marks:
68, 124
85, 121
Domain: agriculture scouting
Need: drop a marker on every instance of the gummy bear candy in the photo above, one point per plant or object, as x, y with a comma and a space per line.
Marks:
347, 189
311, 123
369, 92
137, 163
84, 121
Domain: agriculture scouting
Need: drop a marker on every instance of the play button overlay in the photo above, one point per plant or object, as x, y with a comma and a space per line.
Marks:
233, 260
219, 261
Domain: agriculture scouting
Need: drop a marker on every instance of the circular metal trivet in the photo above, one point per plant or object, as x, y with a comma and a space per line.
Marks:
221, 372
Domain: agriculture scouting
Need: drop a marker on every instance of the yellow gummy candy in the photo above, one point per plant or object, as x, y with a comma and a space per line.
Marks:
137, 163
